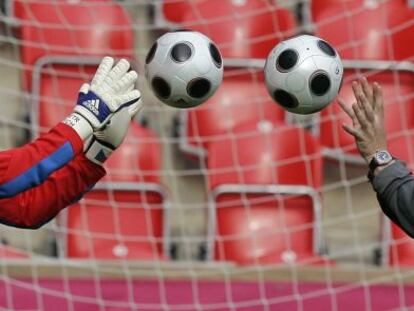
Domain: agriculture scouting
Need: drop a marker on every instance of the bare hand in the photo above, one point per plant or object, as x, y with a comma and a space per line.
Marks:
367, 116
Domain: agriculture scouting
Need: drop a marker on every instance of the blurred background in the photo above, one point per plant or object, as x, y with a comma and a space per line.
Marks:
234, 205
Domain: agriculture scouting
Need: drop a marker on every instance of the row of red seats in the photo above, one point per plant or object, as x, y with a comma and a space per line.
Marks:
62, 44
362, 31
359, 29
126, 215
49, 53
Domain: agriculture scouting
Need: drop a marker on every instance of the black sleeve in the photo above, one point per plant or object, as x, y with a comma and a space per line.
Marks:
394, 186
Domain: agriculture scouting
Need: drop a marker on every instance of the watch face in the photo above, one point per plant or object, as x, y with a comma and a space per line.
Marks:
383, 157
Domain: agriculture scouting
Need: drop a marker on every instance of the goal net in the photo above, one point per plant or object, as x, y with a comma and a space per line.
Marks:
233, 205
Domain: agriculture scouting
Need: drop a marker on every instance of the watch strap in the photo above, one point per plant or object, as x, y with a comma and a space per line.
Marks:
373, 164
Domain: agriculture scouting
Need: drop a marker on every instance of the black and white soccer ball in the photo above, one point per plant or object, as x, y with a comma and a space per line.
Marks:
303, 74
184, 68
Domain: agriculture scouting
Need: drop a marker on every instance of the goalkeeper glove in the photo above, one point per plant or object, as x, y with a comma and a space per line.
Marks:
111, 89
108, 139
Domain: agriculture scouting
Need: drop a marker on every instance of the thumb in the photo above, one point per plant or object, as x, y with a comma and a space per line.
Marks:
134, 108
84, 89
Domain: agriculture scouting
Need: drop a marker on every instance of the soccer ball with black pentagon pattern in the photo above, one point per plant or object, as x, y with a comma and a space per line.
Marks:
303, 74
184, 68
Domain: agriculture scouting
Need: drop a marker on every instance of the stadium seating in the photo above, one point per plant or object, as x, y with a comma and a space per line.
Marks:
398, 88
234, 28
61, 47
63, 44
401, 251
126, 212
241, 98
264, 204
397, 248
118, 223
64, 30
55, 93
9, 252
360, 29
367, 31
132, 172
138, 159
174, 11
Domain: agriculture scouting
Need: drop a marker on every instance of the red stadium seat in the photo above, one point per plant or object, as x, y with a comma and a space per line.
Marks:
116, 223
235, 28
397, 87
173, 11
278, 149
9, 252
397, 248
401, 250
88, 29
137, 160
57, 90
362, 29
240, 99
264, 202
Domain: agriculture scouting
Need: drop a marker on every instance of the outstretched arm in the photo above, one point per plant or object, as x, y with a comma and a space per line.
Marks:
394, 186
392, 182
29, 166
33, 208
43, 177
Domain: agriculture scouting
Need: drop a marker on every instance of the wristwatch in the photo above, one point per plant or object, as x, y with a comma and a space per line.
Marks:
381, 158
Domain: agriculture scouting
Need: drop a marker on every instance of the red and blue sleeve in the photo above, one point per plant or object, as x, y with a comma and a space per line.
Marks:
43, 177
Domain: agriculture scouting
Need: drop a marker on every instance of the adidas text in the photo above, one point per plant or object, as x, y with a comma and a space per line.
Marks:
92, 105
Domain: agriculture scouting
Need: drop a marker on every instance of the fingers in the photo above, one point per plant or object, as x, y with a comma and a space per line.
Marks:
84, 89
352, 131
348, 111
365, 109
360, 115
135, 107
127, 83
128, 99
104, 68
378, 98
120, 69
366, 87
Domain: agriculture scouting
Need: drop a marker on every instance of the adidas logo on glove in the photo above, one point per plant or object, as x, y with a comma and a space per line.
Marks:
92, 105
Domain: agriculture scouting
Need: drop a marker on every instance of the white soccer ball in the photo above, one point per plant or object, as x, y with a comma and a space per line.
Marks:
303, 74
184, 68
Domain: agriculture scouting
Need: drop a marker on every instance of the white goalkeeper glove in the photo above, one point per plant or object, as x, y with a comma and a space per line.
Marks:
105, 142
111, 90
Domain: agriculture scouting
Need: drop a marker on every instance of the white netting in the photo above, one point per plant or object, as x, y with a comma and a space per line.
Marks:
235, 205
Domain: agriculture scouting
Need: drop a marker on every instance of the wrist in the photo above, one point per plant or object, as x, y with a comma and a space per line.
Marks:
369, 158
379, 161
98, 152
81, 126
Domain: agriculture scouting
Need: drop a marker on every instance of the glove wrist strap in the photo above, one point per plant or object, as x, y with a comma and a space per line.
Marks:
98, 152
80, 125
